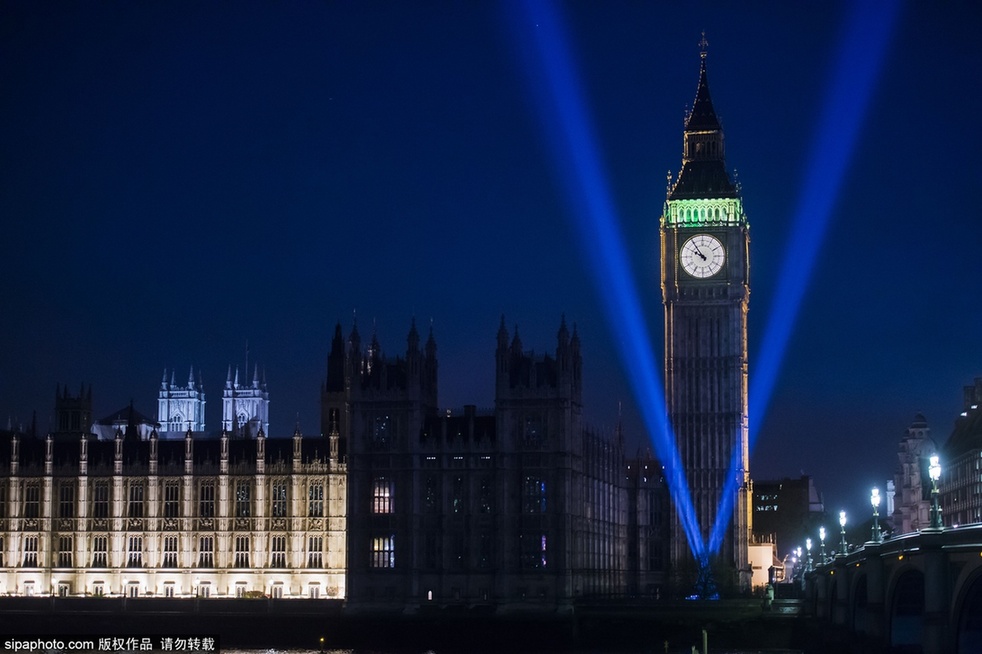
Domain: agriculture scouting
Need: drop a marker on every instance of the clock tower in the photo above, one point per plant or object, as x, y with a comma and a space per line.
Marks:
705, 283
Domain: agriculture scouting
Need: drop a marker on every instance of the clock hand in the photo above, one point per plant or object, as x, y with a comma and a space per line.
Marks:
696, 250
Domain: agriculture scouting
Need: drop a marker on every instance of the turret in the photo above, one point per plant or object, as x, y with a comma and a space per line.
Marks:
189, 452
153, 451
118, 452
335, 363
261, 452
297, 447
562, 347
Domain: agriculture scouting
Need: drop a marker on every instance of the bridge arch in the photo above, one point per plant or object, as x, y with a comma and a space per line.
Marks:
860, 599
832, 597
967, 615
907, 608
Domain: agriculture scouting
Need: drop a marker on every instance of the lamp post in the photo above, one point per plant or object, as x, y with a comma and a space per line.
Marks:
842, 527
874, 499
808, 546
821, 535
934, 470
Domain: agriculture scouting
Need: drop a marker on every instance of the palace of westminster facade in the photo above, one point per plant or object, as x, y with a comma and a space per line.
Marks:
395, 502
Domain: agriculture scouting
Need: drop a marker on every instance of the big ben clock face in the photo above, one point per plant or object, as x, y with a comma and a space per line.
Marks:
702, 256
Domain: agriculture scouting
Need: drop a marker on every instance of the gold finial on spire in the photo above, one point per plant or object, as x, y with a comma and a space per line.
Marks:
703, 44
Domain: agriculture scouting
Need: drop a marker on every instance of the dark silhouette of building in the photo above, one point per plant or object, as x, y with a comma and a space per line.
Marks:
517, 504
648, 520
73, 413
787, 511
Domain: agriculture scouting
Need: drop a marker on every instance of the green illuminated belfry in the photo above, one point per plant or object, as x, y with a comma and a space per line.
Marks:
706, 291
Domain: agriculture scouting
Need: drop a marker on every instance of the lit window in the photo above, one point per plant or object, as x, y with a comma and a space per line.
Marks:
66, 504
170, 552
134, 558
32, 501
383, 552
100, 502
242, 494
136, 500
100, 552
315, 501
278, 499
31, 552
206, 552
206, 500
241, 551
278, 557
172, 507
382, 495
65, 546
315, 552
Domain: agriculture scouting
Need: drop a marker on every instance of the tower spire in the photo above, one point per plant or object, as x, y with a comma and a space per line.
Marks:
703, 173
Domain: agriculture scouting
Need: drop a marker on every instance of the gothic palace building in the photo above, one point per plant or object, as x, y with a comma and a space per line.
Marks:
397, 503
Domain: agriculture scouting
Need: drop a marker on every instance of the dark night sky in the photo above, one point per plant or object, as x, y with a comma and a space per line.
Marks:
178, 178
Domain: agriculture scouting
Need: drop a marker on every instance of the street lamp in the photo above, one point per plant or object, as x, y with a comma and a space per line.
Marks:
808, 546
934, 470
874, 499
821, 535
842, 525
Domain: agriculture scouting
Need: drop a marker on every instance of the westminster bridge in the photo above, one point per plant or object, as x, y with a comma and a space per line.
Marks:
916, 592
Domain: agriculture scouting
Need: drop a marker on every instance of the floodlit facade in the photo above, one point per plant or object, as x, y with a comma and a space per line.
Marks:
194, 516
911, 484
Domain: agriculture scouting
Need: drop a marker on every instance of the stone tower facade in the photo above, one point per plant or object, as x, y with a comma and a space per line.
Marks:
706, 291
912, 485
180, 408
245, 407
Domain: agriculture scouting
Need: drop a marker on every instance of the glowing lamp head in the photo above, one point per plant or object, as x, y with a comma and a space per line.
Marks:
935, 468
798, 551
874, 498
842, 519
808, 544
821, 533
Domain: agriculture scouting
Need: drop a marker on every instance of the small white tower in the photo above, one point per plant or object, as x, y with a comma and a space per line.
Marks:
245, 408
181, 407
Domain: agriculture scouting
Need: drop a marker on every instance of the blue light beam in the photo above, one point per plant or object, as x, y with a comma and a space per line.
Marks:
862, 50
541, 40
